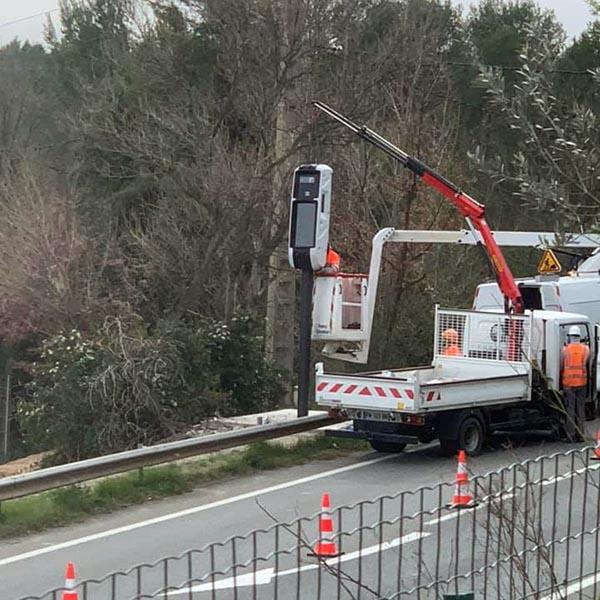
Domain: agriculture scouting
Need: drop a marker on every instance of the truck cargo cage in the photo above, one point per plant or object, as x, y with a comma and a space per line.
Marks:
482, 335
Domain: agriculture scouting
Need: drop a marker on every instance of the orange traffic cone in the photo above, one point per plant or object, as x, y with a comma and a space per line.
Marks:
325, 546
70, 592
462, 496
596, 455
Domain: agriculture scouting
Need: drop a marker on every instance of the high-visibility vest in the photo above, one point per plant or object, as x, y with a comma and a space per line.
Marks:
575, 357
333, 259
452, 350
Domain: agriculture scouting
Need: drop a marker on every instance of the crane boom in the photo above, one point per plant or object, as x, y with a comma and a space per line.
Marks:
471, 210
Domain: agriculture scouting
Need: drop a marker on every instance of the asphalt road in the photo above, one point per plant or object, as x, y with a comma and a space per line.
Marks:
222, 510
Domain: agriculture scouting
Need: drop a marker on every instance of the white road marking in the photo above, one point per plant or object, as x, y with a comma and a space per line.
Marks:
189, 511
454, 514
409, 537
559, 478
574, 587
262, 577
265, 576
443, 518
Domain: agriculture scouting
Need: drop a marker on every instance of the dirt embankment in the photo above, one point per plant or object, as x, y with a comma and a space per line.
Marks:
21, 465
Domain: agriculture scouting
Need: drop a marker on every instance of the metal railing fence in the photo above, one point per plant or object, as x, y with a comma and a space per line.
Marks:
533, 532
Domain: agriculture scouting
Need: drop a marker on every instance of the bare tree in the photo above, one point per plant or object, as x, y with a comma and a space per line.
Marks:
48, 280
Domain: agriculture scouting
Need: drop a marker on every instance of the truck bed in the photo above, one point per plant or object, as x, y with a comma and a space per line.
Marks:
448, 384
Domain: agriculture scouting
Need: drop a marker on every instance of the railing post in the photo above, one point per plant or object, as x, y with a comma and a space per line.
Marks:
7, 415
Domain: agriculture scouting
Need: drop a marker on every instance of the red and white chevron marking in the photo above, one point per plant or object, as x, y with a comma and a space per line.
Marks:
376, 391
432, 396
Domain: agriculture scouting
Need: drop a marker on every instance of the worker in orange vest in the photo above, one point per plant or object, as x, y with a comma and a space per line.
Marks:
332, 266
574, 373
450, 340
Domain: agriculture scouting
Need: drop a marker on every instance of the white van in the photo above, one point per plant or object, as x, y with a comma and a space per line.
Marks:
578, 292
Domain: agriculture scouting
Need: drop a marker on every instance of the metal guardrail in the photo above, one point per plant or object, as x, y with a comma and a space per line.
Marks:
532, 533
93, 468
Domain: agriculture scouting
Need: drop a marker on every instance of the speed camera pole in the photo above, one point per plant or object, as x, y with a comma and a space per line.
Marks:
305, 327
308, 244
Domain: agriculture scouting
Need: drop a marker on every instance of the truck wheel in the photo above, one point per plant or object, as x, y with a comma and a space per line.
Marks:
471, 436
387, 446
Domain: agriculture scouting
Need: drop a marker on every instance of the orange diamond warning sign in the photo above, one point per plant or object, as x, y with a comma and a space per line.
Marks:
549, 263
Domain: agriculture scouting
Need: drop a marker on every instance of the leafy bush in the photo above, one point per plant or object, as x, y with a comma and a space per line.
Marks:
126, 386
57, 413
237, 356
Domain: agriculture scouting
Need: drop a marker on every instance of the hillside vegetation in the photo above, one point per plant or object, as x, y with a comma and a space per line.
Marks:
146, 152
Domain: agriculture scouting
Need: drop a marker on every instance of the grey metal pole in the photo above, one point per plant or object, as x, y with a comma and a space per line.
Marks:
306, 287
6, 415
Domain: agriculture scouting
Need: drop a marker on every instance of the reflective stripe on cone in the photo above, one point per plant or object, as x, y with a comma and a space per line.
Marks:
70, 592
326, 546
462, 496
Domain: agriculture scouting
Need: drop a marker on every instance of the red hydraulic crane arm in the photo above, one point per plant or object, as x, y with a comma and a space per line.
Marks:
472, 211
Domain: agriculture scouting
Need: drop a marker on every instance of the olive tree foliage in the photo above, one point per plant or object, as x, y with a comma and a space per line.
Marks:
497, 32
554, 166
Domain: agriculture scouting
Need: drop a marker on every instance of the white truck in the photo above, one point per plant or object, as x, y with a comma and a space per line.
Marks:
506, 379
577, 292
505, 375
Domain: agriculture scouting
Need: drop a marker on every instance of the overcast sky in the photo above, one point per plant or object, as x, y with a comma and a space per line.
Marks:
574, 14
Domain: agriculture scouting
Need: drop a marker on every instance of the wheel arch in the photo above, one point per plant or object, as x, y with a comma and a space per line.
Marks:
449, 422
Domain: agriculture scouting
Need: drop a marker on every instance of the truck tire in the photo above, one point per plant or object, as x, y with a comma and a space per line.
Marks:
387, 446
470, 438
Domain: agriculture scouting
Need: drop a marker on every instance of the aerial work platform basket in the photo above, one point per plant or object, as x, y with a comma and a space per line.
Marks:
340, 314
343, 306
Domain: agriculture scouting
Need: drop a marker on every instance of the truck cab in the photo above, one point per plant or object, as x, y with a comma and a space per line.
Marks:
551, 329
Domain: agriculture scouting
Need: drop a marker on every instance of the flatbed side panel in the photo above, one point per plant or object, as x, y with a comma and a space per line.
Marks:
369, 393
385, 394
475, 392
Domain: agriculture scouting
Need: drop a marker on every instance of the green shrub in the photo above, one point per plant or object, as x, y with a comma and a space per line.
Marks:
58, 413
127, 386
238, 358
